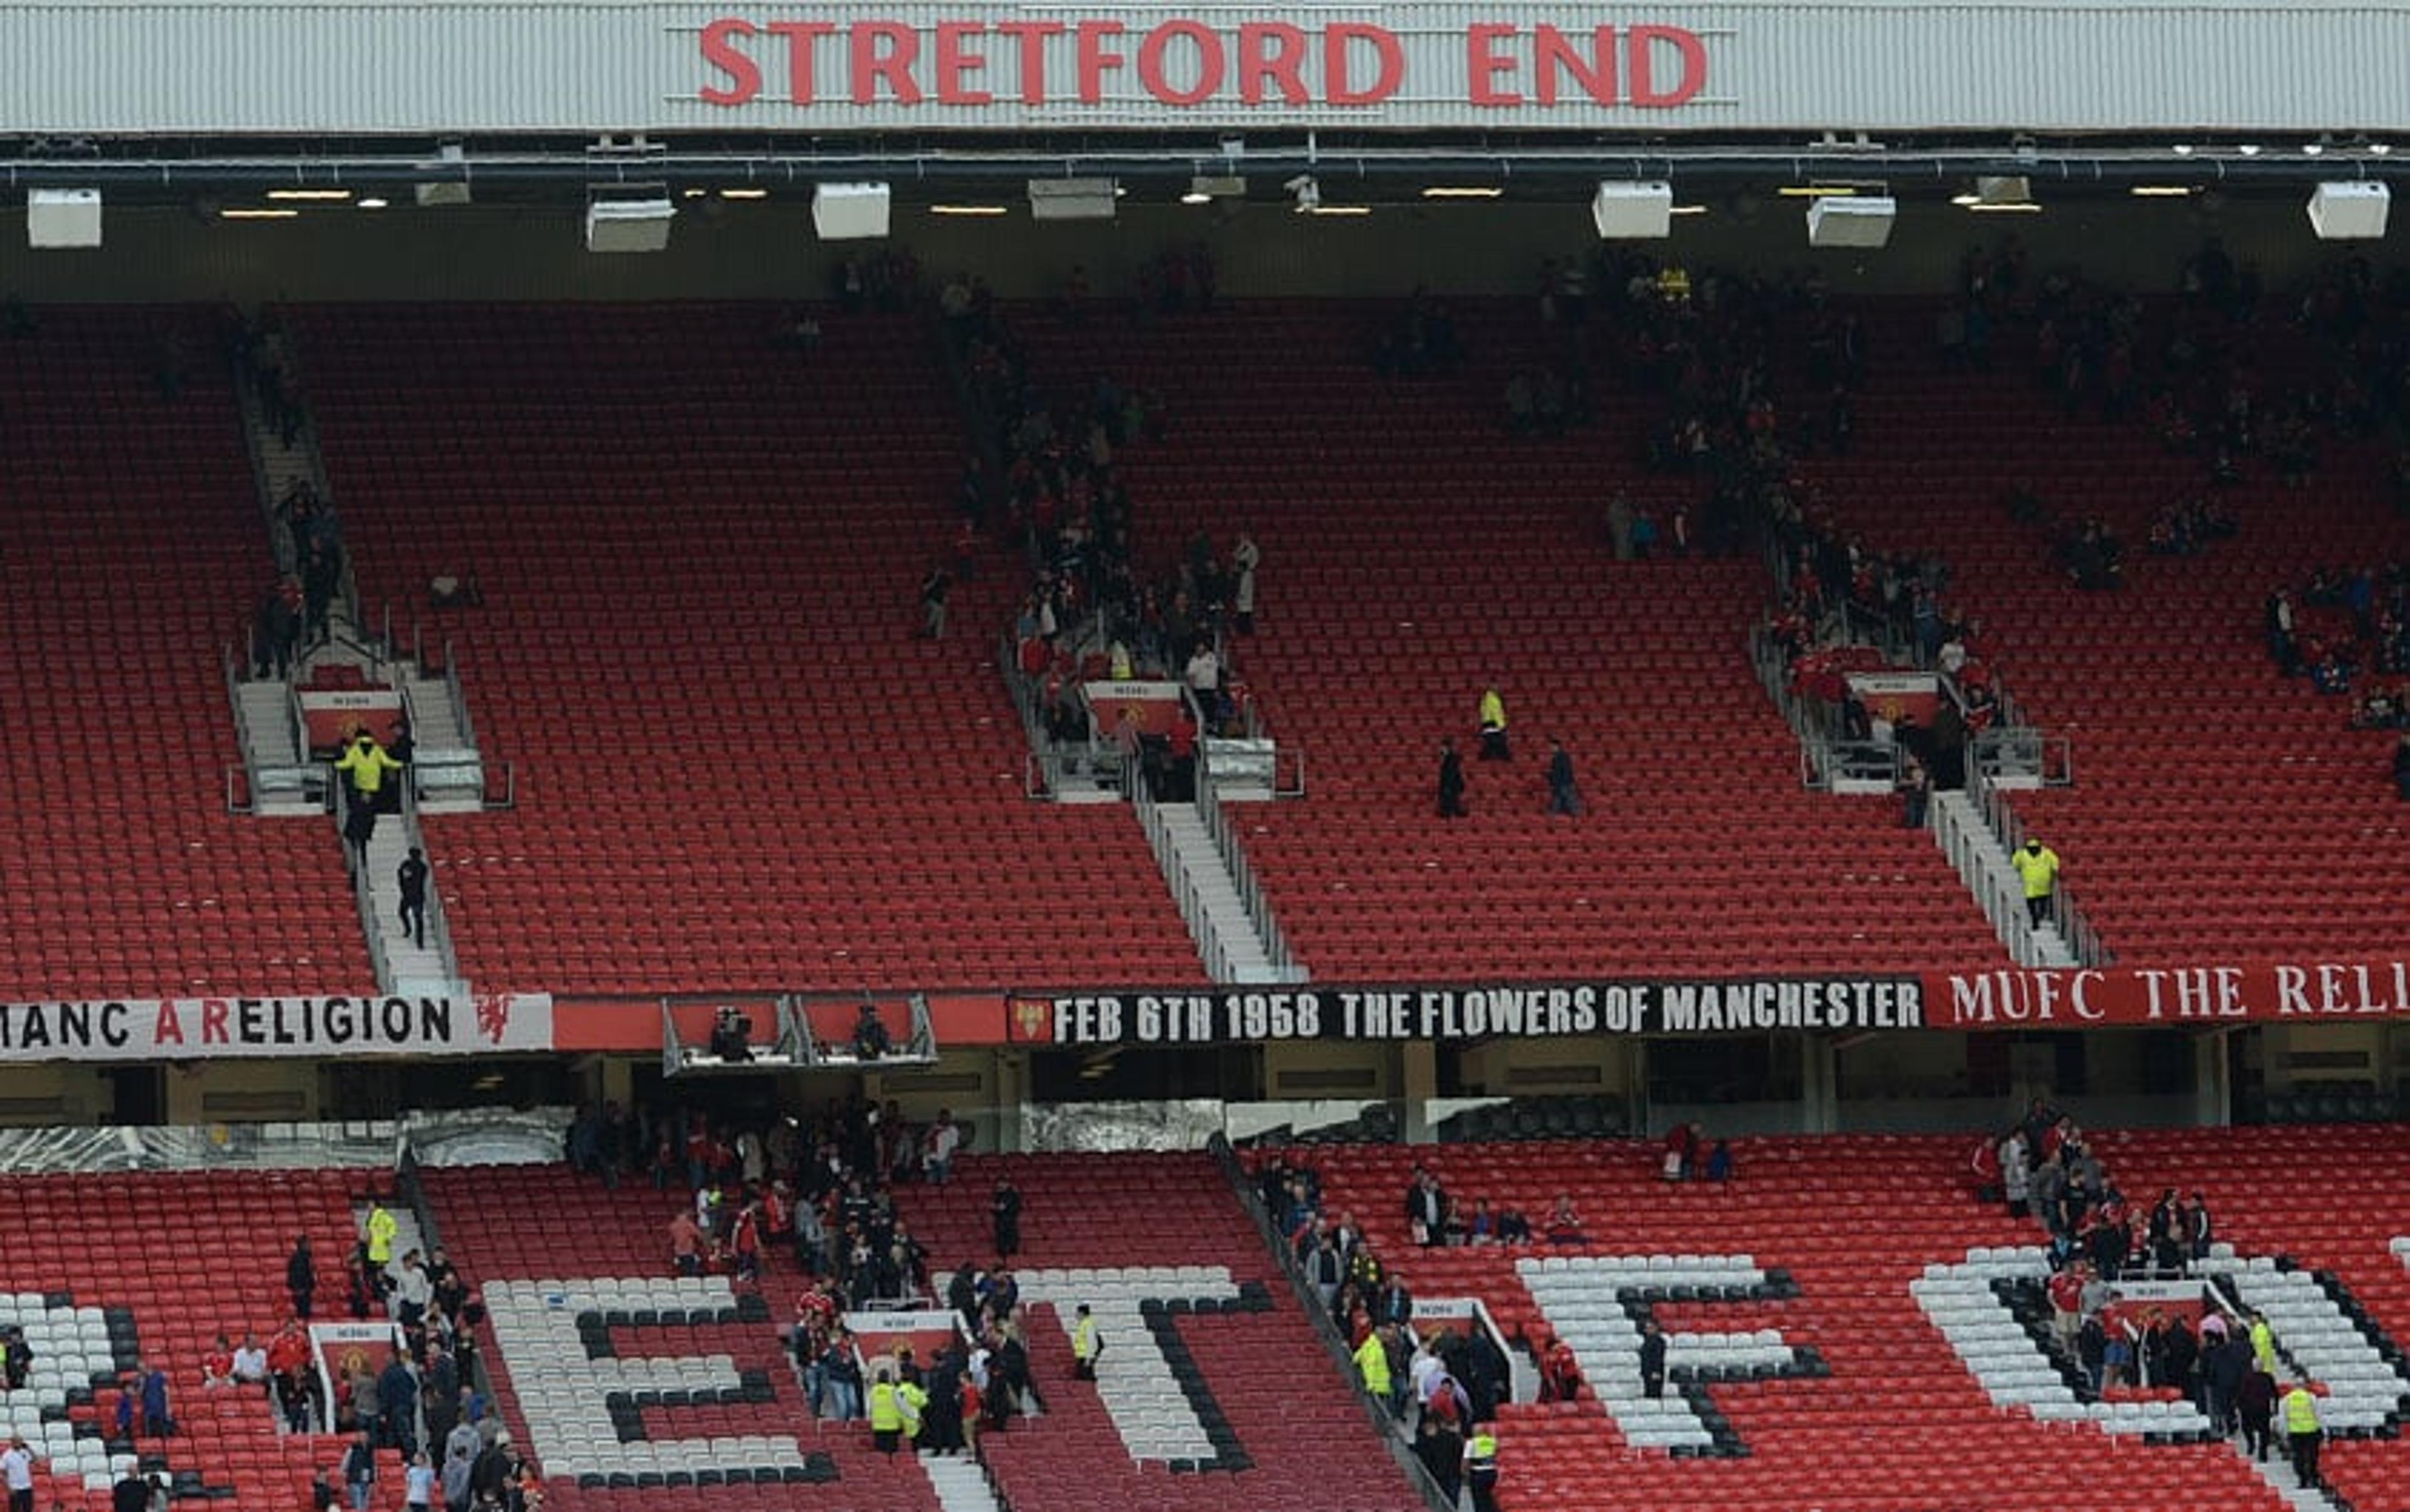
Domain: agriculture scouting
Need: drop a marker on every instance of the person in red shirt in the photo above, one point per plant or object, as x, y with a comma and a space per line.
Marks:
1681, 1150
2065, 1291
1560, 1373
288, 1353
685, 1243
217, 1365
1181, 751
746, 1243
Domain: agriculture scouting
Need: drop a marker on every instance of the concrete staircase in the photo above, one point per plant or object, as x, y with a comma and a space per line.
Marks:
404, 967
1981, 859
1210, 884
960, 1482
446, 773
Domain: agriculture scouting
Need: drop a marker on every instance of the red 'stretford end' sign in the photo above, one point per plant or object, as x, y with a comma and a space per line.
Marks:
1183, 64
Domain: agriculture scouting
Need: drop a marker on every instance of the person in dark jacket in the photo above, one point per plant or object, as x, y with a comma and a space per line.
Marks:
1451, 781
2255, 1404
301, 1277
1005, 1209
1652, 1360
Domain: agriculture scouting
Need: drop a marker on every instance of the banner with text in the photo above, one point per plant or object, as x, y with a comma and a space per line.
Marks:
229, 1028
2298, 992
333, 715
1464, 1013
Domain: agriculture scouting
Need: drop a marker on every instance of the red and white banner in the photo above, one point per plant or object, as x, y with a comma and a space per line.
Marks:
255, 1029
1892, 697
332, 716
1155, 704
2302, 991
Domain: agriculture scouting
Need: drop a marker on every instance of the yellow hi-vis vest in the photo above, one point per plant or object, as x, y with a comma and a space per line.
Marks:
1481, 1455
2301, 1411
1372, 1360
1084, 1341
886, 1412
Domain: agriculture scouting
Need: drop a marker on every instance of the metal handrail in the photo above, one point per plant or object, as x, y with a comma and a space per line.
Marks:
241, 796
1251, 896
460, 693
364, 899
1378, 1415
2082, 940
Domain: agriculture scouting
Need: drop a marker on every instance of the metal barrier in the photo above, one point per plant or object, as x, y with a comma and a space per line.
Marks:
1377, 1412
2023, 756
1851, 766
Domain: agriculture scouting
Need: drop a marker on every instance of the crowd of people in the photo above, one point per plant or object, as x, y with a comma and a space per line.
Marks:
1441, 1387
2347, 629
2222, 1361
822, 1189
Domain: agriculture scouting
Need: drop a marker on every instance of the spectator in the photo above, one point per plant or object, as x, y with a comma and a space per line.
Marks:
1004, 1210
2037, 866
2254, 1407
1244, 558
131, 1493
411, 877
1204, 677
1681, 1151
1720, 1161
1451, 781
1915, 787
1564, 796
359, 1472
935, 588
2402, 768
1652, 1360
217, 1365
157, 1421
2065, 1290
420, 1482
1493, 726
1618, 526
1426, 1209
944, 1138
252, 1363
2116, 1356
301, 1273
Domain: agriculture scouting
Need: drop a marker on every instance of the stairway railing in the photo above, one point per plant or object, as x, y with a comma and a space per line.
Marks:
2083, 940
1211, 947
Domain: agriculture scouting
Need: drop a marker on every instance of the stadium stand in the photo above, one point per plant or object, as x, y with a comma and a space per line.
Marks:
699, 555
2349, 1237
1414, 554
131, 551
1801, 1300
1218, 1411
1121, 1232
100, 1271
2186, 742
580, 1301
